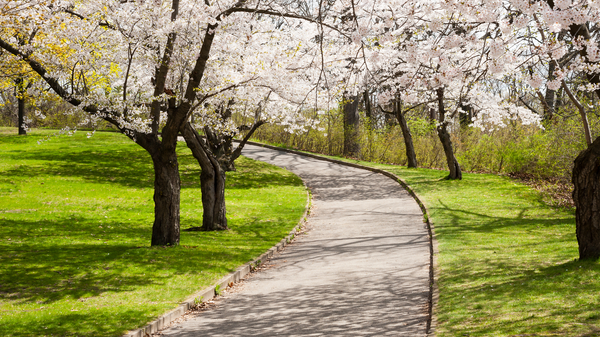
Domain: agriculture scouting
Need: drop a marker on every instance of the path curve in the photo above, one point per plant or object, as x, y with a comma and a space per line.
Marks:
362, 269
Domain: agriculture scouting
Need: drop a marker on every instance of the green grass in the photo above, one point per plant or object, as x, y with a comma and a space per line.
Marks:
508, 262
75, 226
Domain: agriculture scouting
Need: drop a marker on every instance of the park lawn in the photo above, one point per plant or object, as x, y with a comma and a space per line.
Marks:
75, 225
508, 262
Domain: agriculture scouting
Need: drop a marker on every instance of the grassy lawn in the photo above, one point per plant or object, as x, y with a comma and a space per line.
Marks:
75, 225
508, 262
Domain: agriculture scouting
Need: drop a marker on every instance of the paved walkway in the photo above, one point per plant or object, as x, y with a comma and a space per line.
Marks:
361, 270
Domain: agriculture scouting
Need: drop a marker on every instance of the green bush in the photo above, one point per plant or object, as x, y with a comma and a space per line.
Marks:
546, 153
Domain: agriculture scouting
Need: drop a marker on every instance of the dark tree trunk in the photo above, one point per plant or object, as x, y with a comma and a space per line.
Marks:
466, 118
351, 122
453, 166
550, 96
20, 89
368, 107
212, 182
21, 112
442, 131
165, 230
550, 103
586, 194
432, 115
408, 142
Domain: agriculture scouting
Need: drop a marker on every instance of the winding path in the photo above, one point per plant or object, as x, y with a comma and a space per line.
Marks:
362, 269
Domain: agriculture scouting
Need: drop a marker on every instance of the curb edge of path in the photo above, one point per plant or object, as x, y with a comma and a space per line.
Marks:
209, 293
433, 245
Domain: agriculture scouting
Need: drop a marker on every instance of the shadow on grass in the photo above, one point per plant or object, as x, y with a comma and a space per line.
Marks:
524, 299
119, 166
488, 223
256, 174
48, 268
75, 262
515, 273
95, 322
133, 168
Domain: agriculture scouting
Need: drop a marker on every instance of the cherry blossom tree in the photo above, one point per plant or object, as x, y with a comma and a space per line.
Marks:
438, 54
147, 66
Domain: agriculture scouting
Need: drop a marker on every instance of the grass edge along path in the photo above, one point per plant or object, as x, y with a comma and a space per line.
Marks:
75, 227
507, 262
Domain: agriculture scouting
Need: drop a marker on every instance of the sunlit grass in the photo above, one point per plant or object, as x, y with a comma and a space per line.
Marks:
508, 262
75, 226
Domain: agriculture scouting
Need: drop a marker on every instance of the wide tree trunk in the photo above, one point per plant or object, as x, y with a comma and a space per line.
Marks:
586, 195
212, 182
351, 123
444, 135
408, 141
165, 230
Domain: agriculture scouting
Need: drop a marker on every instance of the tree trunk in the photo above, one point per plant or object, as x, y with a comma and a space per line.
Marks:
212, 182
368, 108
408, 142
466, 118
442, 131
351, 120
432, 115
586, 195
369, 123
550, 96
582, 113
21, 112
165, 230
21, 106
453, 166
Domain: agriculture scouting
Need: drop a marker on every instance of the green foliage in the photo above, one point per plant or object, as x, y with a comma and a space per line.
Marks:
75, 225
546, 153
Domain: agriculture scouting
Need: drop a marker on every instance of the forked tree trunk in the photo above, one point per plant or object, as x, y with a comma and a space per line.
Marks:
408, 141
165, 231
442, 131
351, 121
212, 182
586, 195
